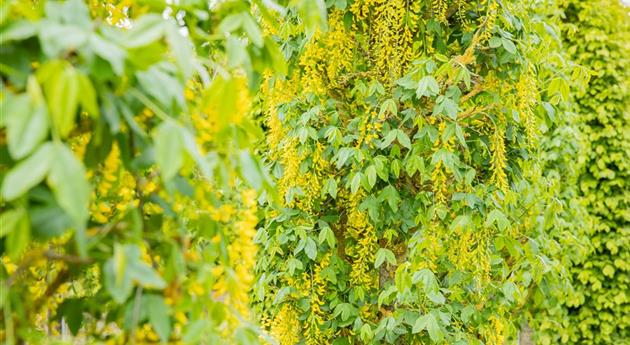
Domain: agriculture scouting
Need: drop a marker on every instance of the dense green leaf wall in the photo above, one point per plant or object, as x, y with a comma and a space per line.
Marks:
597, 35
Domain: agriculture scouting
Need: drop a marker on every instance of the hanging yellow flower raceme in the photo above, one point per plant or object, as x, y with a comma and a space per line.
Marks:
314, 335
285, 326
526, 94
498, 159
362, 252
110, 201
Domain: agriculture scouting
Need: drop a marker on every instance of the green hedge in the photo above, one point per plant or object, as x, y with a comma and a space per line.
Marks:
597, 35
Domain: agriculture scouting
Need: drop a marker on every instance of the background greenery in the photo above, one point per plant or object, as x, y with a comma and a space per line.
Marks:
304, 172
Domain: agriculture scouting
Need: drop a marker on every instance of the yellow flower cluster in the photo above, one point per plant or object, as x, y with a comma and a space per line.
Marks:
314, 335
491, 18
430, 248
362, 252
79, 144
311, 63
482, 35
439, 174
116, 9
291, 176
464, 21
439, 10
144, 118
242, 256
327, 55
308, 182
115, 189
470, 251
462, 242
370, 129
282, 91
495, 333
526, 94
387, 23
339, 42
37, 278
498, 159
285, 327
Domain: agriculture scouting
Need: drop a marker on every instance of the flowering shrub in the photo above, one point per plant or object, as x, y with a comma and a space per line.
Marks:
413, 207
129, 183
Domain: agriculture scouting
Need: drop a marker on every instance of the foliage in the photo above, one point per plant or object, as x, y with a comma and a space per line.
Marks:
428, 172
405, 144
129, 183
597, 35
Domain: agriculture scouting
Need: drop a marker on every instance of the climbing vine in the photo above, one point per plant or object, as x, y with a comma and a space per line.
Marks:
412, 204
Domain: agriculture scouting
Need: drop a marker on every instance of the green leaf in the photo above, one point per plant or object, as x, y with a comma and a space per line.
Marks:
326, 234
88, 100
168, 149
222, 96
49, 221
427, 86
68, 182
510, 291
62, 93
403, 139
28, 173
27, 125
496, 216
252, 30
330, 187
355, 183
119, 289
9, 220
495, 42
250, 169
508, 45
371, 175
461, 222
145, 275
390, 194
428, 280
182, 50
389, 106
144, 31
436, 333
110, 52
430, 323
293, 264
414, 163
389, 138
159, 316
195, 330
162, 85
18, 30
231, 23
420, 324
310, 248
467, 313
72, 312
57, 39
18, 237
126, 267
382, 255
278, 62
